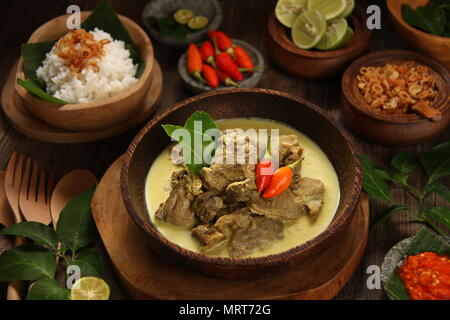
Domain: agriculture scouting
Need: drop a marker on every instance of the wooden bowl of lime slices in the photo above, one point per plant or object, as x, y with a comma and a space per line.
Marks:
313, 41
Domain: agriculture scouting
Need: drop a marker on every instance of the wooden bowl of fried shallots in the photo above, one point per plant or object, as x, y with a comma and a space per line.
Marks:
396, 129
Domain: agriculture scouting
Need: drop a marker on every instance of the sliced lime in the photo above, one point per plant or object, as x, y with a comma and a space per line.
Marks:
308, 29
182, 16
331, 9
348, 36
287, 11
90, 288
350, 6
334, 36
198, 22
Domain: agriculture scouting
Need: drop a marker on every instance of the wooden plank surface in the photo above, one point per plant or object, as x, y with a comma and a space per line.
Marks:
243, 19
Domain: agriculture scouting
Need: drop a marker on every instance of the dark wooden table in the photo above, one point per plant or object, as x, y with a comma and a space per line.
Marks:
243, 19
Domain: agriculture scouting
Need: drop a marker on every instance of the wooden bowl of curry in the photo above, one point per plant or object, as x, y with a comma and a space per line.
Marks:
244, 104
395, 129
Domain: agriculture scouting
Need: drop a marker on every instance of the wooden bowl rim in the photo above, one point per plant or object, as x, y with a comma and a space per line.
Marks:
362, 36
148, 59
398, 16
336, 225
393, 55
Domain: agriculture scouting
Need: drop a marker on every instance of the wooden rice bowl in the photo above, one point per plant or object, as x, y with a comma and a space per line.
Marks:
260, 103
314, 64
96, 115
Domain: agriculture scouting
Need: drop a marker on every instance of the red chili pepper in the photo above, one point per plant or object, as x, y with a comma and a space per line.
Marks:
243, 59
223, 41
194, 62
227, 64
264, 172
210, 75
281, 180
207, 52
226, 79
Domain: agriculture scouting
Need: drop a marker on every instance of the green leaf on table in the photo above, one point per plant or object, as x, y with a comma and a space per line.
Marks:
89, 261
47, 289
27, 262
197, 139
439, 189
423, 241
400, 178
384, 174
373, 182
33, 230
436, 161
76, 228
429, 19
440, 214
386, 213
404, 162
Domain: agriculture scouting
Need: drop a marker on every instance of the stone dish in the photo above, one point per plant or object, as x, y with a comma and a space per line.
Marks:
165, 8
250, 81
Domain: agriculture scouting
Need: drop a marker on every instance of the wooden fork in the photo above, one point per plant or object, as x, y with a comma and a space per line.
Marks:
13, 180
35, 194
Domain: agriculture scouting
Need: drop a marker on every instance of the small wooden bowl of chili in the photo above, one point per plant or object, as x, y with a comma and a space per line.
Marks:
396, 124
313, 64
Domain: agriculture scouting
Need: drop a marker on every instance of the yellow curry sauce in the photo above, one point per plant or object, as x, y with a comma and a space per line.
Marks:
315, 165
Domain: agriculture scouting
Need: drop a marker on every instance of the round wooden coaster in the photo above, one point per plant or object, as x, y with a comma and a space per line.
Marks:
27, 124
148, 275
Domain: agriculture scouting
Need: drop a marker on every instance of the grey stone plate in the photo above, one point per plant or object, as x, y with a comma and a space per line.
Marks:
250, 80
165, 8
394, 258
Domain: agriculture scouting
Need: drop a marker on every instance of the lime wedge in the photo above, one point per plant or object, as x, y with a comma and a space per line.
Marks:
90, 288
334, 36
331, 9
287, 11
182, 16
348, 36
308, 29
198, 22
350, 6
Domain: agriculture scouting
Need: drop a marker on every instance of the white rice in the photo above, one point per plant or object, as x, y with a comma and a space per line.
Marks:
117, 73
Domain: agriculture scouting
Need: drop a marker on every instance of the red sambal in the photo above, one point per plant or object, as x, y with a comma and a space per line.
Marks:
426, 276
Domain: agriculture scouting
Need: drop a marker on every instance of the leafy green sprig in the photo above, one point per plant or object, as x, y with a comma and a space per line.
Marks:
435, 162
69, 243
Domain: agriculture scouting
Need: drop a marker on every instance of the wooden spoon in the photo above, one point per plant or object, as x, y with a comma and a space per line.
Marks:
426, 111
71, 185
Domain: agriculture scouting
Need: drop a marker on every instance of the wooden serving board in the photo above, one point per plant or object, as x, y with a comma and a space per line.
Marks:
148, 275
27, 124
